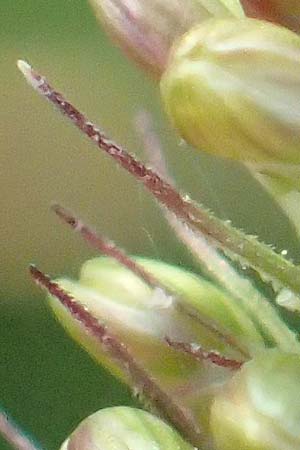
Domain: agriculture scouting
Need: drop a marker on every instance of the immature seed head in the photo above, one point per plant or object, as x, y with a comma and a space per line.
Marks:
123, 428
232, 88
147, 29
259, 409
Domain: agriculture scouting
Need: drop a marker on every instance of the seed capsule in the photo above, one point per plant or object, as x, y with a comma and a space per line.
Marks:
232, 88
123, 428
259, 409
145, 29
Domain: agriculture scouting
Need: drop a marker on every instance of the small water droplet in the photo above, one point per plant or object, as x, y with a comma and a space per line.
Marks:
195, 347
288, 299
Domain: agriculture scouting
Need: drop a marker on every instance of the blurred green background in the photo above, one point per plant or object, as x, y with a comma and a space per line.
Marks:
47, 383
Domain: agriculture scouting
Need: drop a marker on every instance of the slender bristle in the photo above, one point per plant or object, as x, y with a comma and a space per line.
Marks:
78, 311
13, 435
105, 246
202, 354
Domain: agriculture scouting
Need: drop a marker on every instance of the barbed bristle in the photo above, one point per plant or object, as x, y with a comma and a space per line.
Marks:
201, 354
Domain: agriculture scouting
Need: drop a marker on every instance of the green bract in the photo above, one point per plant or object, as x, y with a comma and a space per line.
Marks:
232, 88
147, 29
123, 428
259, 409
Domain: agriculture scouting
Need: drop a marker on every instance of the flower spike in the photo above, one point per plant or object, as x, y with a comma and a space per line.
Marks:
246, 248
271, 266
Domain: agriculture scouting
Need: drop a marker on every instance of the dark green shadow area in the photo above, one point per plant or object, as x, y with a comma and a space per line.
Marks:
47, 383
